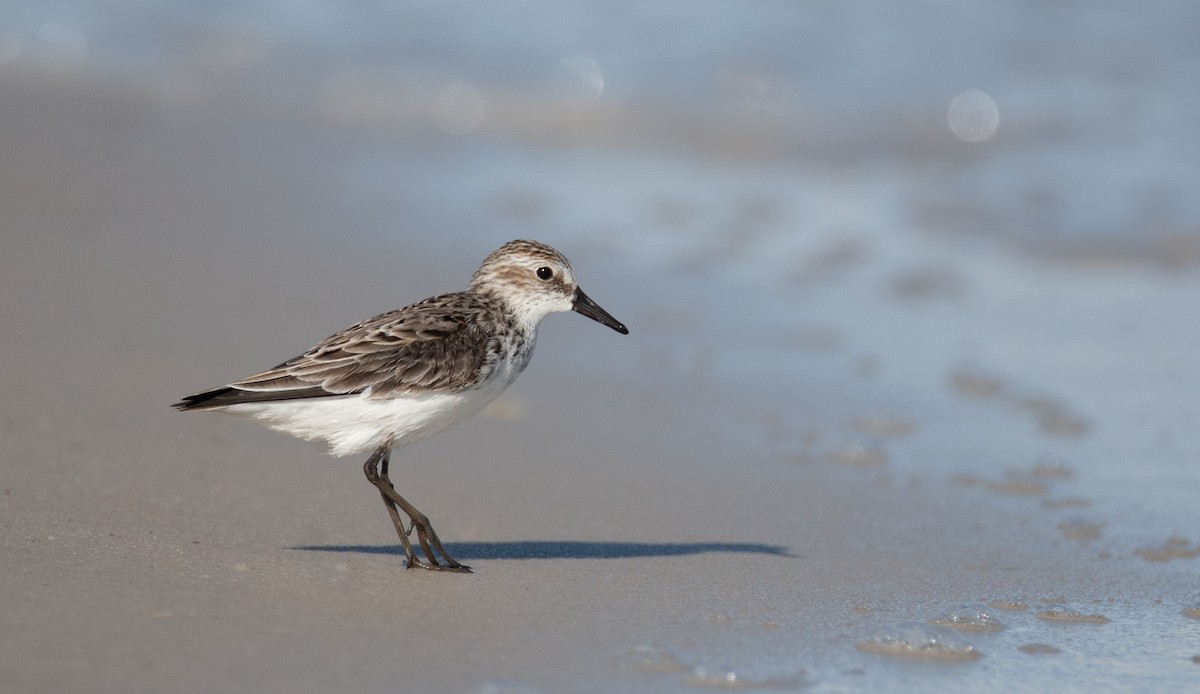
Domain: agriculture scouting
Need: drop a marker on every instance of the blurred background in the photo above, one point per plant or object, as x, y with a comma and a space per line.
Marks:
1063, 128
906, 192
931, 243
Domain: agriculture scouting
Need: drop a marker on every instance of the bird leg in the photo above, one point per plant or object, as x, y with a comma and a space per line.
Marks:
371, 469
376, 469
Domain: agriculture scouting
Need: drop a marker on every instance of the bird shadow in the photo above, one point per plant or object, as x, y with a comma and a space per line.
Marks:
569, 549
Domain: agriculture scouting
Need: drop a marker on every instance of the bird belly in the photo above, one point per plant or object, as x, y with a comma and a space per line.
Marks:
354, 423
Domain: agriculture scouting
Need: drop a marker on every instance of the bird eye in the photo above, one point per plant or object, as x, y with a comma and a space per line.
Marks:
544, 273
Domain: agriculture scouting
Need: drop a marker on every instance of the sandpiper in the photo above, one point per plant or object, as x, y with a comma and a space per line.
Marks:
413, 372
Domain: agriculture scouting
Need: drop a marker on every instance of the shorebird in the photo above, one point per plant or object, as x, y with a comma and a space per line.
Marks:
410, 373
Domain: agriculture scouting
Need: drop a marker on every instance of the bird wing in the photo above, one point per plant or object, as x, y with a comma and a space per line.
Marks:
437, 344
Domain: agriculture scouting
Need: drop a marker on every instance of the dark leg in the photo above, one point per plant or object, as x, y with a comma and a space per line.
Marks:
376, 469
370, 468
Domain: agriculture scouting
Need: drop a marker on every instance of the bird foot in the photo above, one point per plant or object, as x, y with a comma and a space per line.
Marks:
451, 568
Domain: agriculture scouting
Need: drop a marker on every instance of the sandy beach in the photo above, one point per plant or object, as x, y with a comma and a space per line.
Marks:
841, 450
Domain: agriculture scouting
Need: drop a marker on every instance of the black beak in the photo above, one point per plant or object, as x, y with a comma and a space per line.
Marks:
583, 304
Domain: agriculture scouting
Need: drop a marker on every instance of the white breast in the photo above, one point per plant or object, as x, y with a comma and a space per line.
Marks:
353, 424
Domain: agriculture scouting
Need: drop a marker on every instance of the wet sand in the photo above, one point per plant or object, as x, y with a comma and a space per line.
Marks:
636, 521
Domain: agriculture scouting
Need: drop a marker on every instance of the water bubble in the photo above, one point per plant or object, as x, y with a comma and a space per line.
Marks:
457, 108
970, 618
917, 640
728, 678
712, 677
973, 116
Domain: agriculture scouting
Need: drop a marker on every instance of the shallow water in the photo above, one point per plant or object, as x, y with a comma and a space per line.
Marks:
1001, 313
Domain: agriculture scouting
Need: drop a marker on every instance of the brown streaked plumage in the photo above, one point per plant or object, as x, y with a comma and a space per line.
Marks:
412, 372
446, 342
